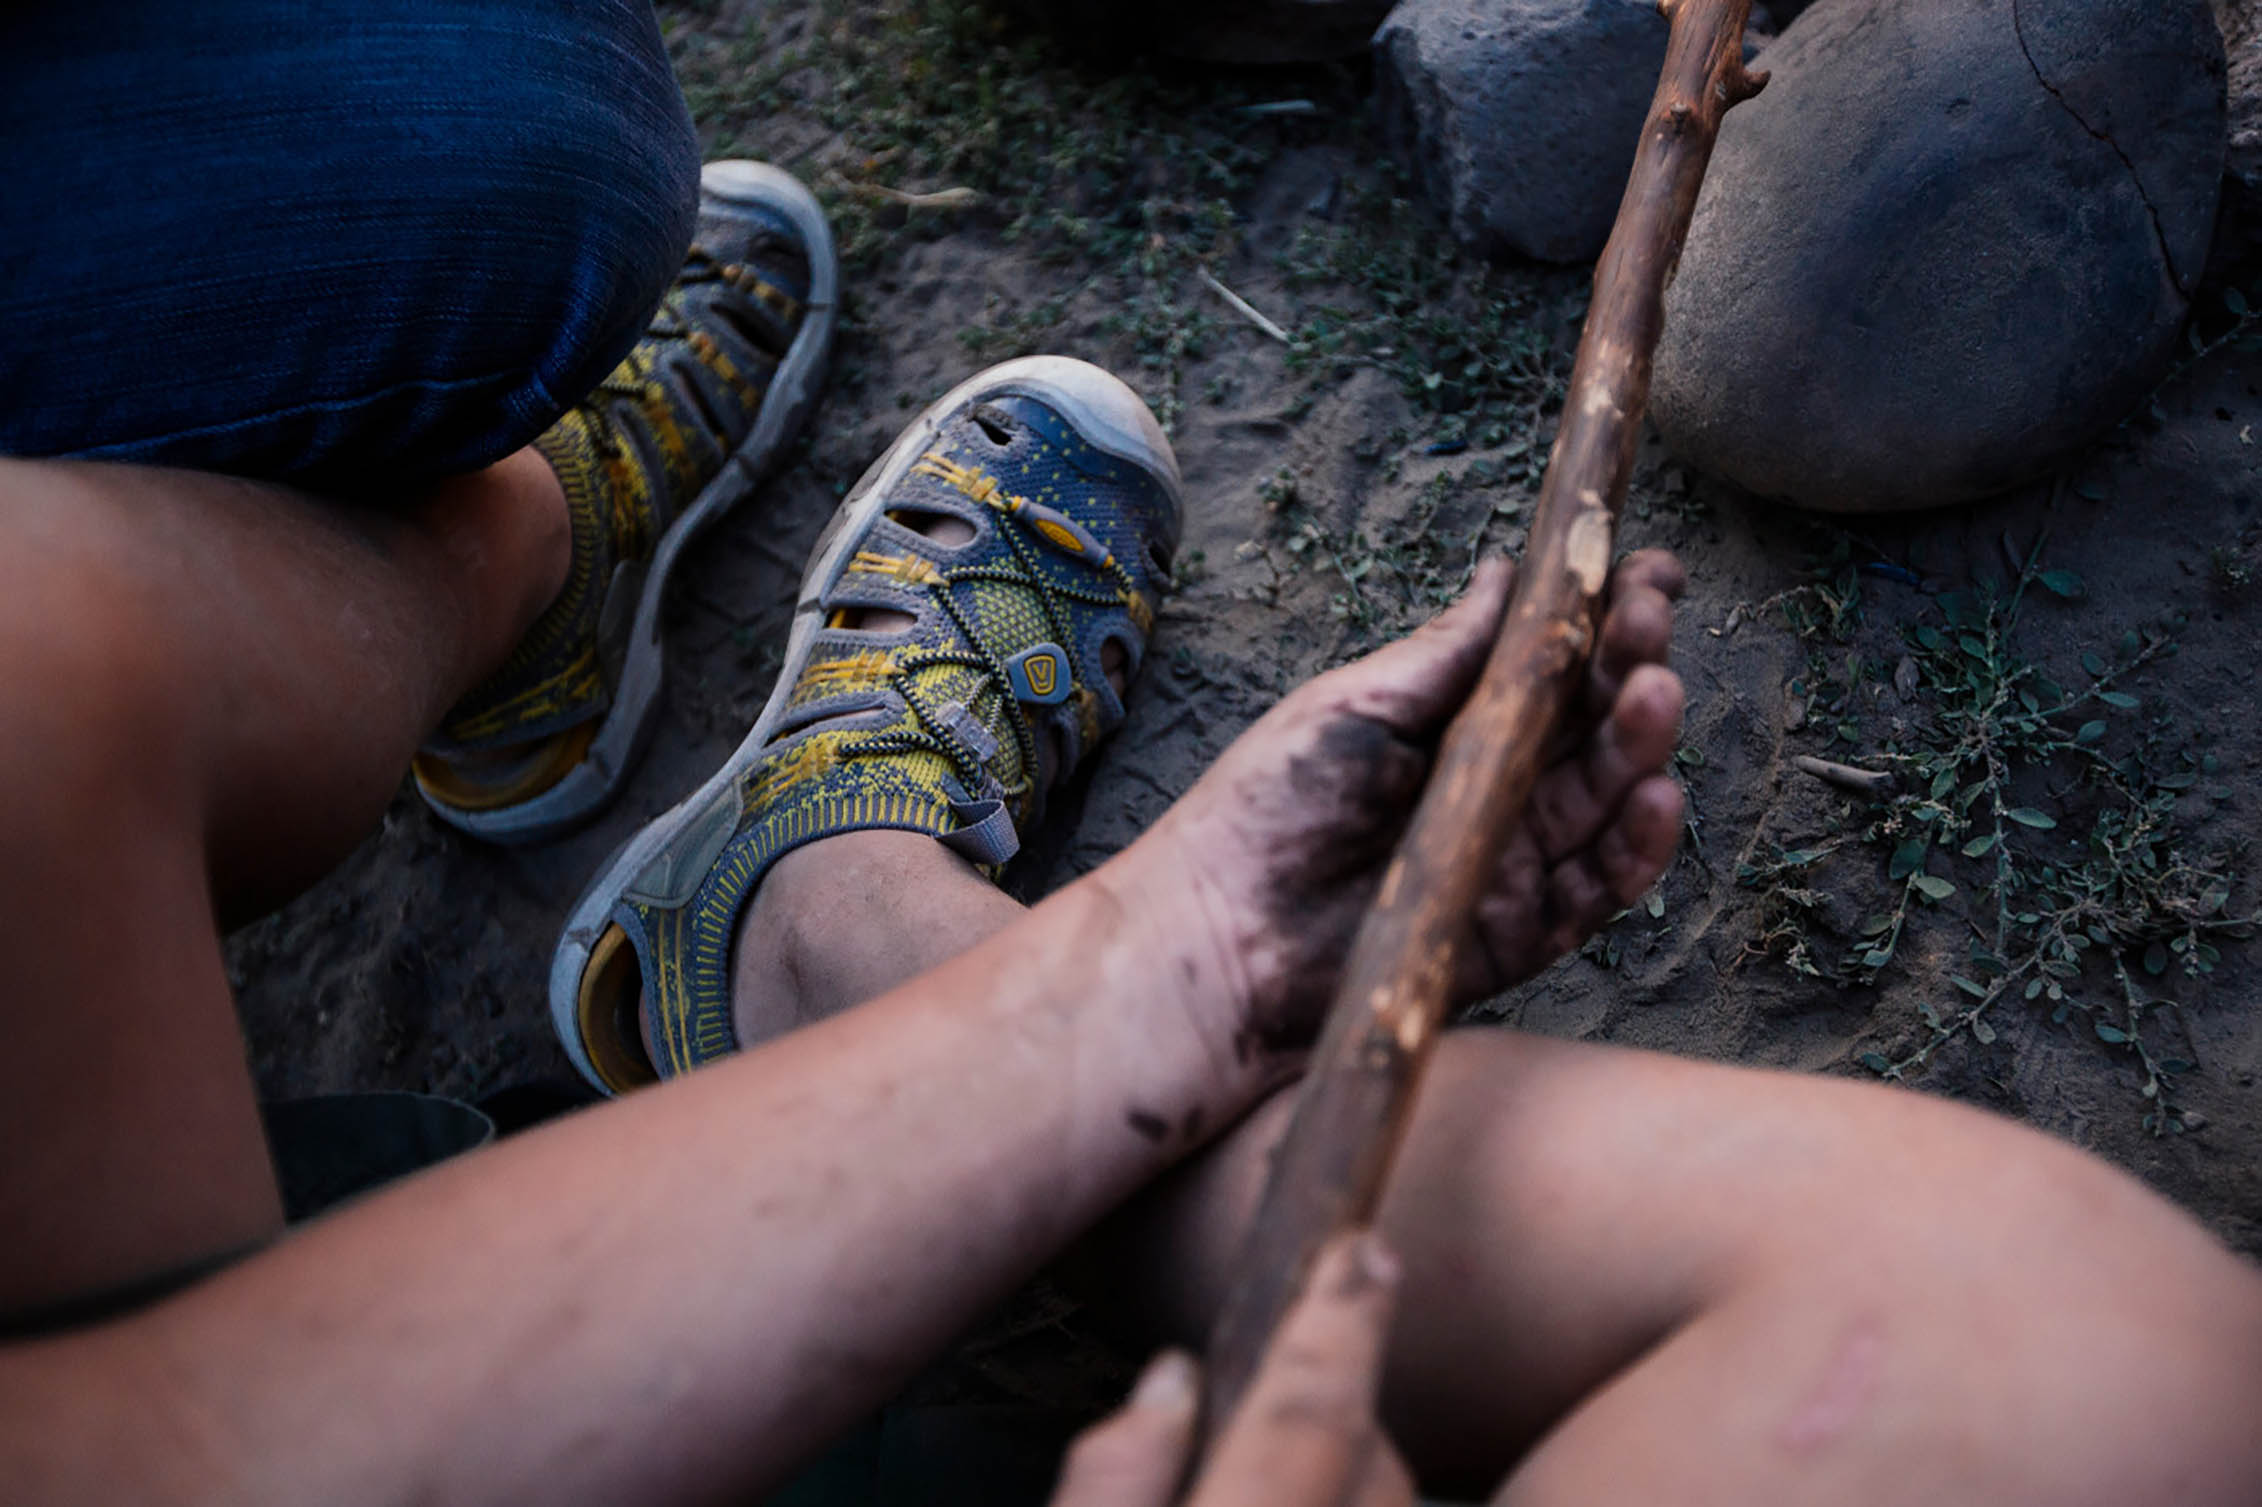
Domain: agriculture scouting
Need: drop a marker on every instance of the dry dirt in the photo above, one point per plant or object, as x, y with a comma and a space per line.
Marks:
421, 962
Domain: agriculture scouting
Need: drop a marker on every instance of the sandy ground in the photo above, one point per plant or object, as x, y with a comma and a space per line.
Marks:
421, 962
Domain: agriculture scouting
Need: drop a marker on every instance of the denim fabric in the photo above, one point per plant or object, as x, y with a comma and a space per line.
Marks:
353, 244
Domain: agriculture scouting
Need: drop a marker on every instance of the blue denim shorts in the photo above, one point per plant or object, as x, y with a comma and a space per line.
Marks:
351, 244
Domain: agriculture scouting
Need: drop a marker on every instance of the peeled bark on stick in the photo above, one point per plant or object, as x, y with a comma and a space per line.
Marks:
1396, 985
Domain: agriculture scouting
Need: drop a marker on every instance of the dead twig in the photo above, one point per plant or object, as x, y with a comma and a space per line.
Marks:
941, 198
1874, 783
1242, 306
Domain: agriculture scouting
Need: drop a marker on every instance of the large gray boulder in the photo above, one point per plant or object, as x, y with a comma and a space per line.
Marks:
1520, 117
1952, 241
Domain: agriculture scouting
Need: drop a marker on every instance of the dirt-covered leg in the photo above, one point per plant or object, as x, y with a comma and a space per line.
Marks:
211, 689
1634, 1278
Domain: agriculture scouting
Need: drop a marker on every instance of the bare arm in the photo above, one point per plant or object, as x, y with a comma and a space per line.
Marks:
680, 1295
614, 1307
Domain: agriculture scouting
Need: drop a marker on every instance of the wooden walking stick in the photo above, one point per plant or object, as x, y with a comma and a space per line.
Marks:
1352, 1109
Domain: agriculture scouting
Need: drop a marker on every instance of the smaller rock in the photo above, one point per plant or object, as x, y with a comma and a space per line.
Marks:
1520, 117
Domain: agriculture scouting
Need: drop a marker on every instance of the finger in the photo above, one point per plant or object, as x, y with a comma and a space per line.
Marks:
1586, 889
1415, 685
1305, 1431
1388, 1483
1135, 1456
1638, 628
1657, 569
1638, 631
1577, 796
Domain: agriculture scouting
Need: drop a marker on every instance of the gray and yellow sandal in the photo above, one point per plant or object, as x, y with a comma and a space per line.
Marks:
1018, 535
681, 432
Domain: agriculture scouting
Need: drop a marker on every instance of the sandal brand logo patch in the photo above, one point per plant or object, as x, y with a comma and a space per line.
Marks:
1039, 674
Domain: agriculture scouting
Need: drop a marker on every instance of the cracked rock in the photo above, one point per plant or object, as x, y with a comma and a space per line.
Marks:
1953, 241
1520, 116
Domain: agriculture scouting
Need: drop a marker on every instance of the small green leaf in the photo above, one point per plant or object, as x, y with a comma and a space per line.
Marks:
2033, 987
1876, 1063
2091, 490
1655, 903
2090, 732
1877, 957
2062, 583
2235, 301
1877, 925
2156, 960
1982, 1032
1972, 987
1907, 859
2092, 664
1979, 847
1932, 888
2027, 816
2121, 699
2112, 1036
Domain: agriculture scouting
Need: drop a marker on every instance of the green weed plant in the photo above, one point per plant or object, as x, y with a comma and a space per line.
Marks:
2038, 820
